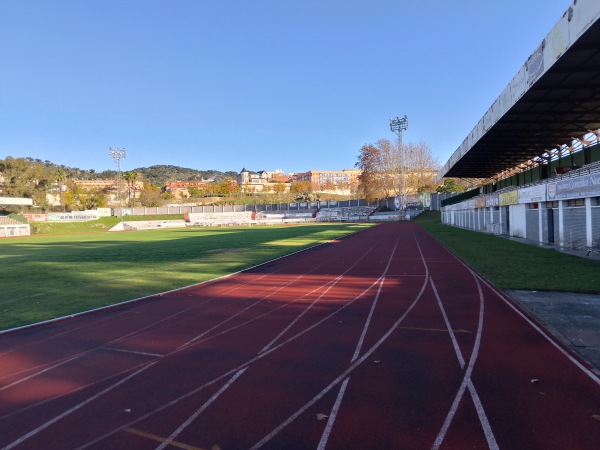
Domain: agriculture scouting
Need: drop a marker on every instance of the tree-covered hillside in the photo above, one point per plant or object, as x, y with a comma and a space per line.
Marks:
162, 174
158, 175
34, 178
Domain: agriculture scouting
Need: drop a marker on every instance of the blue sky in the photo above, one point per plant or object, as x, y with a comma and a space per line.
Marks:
224, 84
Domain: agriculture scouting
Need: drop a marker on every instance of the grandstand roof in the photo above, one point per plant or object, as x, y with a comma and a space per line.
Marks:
553, 99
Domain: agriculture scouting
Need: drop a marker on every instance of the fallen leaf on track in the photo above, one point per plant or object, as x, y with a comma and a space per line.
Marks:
535, 380
377, 361
322, 416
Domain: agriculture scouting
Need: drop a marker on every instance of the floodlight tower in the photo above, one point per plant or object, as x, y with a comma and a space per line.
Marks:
398, 125
117, 155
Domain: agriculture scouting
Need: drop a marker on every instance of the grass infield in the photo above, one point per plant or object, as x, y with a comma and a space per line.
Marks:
510, 264
44, 277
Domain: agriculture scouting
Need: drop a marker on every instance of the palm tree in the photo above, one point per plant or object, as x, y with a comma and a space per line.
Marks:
131, 177
60, 177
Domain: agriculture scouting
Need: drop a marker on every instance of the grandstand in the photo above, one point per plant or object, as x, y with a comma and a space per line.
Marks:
539, 143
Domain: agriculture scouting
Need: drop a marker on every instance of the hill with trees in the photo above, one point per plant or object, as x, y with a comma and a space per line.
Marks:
34, 178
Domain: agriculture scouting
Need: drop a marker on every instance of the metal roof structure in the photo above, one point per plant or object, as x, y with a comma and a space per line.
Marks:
554, 99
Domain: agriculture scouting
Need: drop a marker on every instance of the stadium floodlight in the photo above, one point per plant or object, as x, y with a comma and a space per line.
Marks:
398, 125
117, 154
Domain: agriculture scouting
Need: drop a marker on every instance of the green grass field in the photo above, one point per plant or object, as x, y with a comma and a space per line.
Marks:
510, 264
44, 277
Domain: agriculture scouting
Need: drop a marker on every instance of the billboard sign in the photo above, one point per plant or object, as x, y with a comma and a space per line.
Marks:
585, 186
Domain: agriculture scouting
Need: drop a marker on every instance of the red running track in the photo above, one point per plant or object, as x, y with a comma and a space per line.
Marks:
379, 340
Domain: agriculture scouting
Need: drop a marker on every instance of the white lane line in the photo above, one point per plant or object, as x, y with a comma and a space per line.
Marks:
206, 404
79, 388
123, 350
33, 375
273, 290
459, 355
373, 305
352, 366
75, 408
485, 424
331, 284
332, 416
368, 321
466, 380
340, 396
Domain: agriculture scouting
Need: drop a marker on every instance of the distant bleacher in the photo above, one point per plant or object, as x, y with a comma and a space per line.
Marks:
216, 219
350, 214
153, 224
275, 217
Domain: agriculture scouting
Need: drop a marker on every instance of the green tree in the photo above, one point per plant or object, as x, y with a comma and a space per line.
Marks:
194, 192
450, 185
26, 177
60, 178
229, 187
131, 176
150, 196
279, 189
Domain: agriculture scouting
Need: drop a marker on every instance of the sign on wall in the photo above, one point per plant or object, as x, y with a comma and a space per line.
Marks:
509, 198
532, 194
585, 186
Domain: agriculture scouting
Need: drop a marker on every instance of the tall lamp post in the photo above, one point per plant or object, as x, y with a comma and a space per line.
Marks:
398, 125
117, 155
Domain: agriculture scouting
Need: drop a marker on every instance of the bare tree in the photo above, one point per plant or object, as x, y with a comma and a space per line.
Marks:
384, 164
421, 167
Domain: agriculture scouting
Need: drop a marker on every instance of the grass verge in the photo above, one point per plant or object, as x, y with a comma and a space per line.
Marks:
510, 264
44, 277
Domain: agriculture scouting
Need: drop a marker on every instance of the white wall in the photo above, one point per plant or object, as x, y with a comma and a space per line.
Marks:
518, 221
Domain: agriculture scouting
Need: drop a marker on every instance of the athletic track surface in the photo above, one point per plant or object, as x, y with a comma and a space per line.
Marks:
380, 340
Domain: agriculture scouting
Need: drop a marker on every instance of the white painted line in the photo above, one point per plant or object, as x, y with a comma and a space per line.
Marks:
459, 355
485, 424
332, 416
74, 408
466, 381
351, 368
206, 404
21, 380
122, 350
331, 285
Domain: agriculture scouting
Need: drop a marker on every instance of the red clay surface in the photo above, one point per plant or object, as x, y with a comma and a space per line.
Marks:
381, 340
